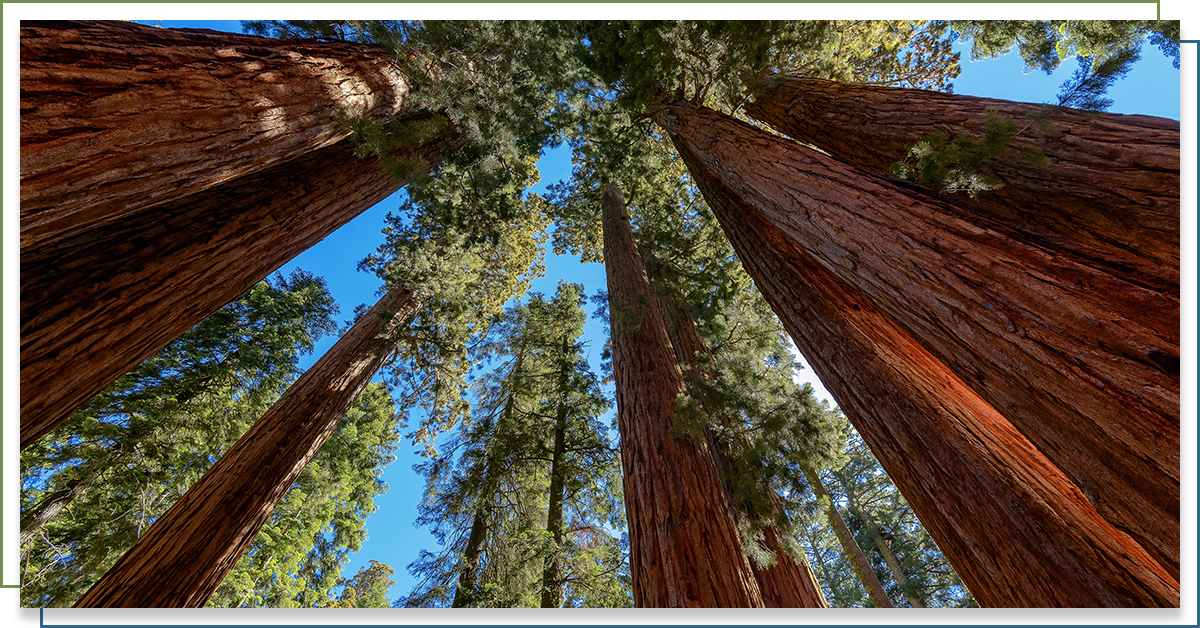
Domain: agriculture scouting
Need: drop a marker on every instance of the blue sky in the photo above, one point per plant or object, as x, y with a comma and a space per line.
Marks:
1152, 88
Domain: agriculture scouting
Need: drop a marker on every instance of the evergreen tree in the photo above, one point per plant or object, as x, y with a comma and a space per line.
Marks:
367, 589
188, 551
525, 498
150, 225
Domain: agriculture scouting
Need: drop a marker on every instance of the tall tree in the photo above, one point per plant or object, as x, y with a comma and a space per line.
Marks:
531, 481
1074, 361
1106, 180
114, 299
897, 394
862, 567
186, 553
748, 412
684, 544
911, 566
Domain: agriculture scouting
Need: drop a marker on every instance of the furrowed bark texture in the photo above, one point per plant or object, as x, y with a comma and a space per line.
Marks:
862, 566
1016, 529
683, 539
186, 553
118, 117
1084, 362
789, 583
1112, 180
114, 296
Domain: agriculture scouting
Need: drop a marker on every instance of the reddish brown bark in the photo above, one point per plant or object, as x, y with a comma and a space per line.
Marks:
1016, 529
114, 296
862, 566
118, 117
683, 539
1081, 359
789, 583
1111, 181
186, 553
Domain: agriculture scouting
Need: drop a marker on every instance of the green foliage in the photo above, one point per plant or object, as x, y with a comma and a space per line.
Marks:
463, 288
713, 62
486, 497
156, 430
367, 589
503, 88
954, 167
1087, 85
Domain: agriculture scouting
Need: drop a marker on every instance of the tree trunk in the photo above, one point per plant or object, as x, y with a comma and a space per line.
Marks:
684, 546
862, 566
54, 503
551, 576
118, 117
114, 296
885, 551
468, 575
1082, 361
789, 583
1112, 180
1016, 529
186, 553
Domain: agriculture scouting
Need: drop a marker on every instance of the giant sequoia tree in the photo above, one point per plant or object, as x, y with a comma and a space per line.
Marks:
685, 550
188, 551
897, 394
1106, 180
93, 485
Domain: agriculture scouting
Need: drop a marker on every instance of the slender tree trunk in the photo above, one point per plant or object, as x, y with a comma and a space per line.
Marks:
789, 583
1084, 362
116, 295
186, 553
118, 117
862, 566
889, 557
53, 503
684, 546
468, 575
1016, 529
551, 576
1111, 181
